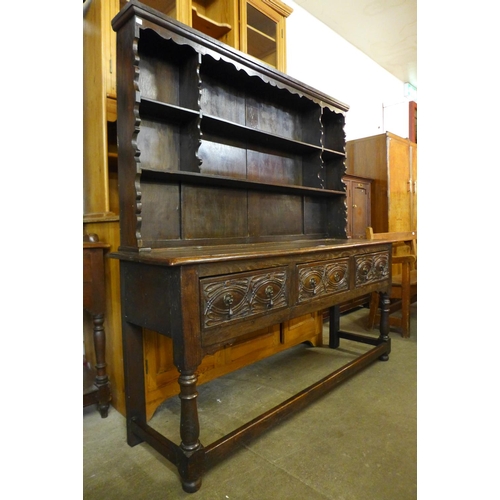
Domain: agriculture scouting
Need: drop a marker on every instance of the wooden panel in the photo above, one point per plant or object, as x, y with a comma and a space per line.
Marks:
371, 268
159, 146
413, 148
176, 64
95, 154
242, 295
222, 159
334, 130
399, 186
307, 328
361, 208
213, 213
315, 215
160, 211
358, 206
322, 278
273, 168
282, 214
219, 96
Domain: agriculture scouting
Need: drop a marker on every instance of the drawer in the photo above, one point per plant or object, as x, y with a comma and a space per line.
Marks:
371, 268
243, 295
317, 279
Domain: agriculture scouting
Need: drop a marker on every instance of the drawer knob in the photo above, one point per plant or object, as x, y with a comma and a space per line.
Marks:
269, 294
228, 301
313, 283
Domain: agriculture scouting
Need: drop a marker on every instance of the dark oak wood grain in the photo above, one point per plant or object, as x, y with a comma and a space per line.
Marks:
233, 218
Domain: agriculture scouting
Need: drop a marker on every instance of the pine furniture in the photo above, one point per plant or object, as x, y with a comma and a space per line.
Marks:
391, 161
404, 279
232, 218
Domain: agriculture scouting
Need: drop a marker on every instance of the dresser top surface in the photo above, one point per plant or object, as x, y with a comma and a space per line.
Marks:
186, 255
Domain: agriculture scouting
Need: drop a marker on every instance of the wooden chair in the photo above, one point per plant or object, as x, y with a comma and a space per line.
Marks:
404, 279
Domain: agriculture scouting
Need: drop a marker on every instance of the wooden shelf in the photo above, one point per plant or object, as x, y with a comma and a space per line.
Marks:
209, 26
167, 112
219, 127
219, 180
215, 126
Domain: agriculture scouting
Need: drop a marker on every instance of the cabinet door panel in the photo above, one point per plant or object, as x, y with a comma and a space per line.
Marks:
399, 186
414, 186
360, 209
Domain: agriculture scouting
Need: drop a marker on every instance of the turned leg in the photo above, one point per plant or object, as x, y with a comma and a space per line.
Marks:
384, 321
101, 380
191, 462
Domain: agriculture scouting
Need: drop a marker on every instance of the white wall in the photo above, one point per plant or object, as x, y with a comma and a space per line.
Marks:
319, 57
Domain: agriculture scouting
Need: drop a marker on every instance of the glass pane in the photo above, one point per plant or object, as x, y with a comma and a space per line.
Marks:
256, 19
261, 36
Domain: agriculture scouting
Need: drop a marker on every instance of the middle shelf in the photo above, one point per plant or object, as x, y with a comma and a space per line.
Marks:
216, 126
219, 180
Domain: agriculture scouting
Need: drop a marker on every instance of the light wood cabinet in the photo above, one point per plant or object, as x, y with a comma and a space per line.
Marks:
253, 26
391, 161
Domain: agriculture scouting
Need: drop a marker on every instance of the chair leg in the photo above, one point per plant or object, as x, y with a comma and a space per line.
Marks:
374, 299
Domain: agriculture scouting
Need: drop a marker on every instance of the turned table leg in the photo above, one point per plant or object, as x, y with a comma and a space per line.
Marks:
191, 461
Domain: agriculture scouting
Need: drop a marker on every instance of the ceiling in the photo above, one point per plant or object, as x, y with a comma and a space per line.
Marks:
385, 30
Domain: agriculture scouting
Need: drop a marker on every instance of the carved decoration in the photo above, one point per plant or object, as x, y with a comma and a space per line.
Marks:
229, 299
371, 268
323, 279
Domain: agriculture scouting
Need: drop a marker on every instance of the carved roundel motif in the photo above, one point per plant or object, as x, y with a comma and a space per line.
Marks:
322, 279
225, 299
371, 268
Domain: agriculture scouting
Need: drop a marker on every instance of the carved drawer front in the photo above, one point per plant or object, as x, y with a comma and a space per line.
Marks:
242, 295
371, 268
323, 279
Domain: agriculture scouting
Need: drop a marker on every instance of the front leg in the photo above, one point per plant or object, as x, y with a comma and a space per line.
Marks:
191, 460
384, 323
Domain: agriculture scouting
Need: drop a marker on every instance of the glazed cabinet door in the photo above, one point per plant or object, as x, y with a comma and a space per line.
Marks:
263, 31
